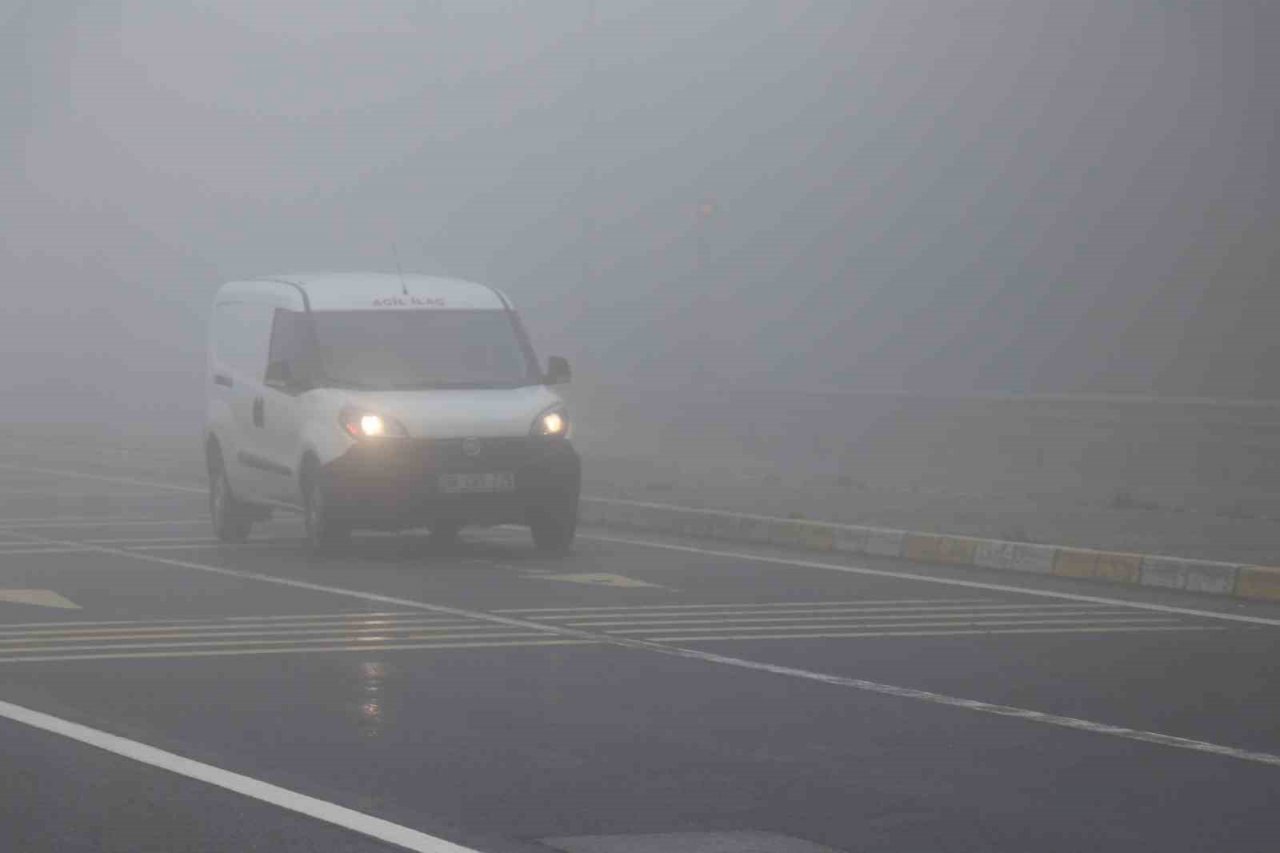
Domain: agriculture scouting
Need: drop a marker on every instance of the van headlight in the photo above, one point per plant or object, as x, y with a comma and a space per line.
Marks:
553, 422
359, 423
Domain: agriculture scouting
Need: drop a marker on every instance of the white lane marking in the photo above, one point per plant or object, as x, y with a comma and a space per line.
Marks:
1085, 630
197, 621
365, 824
18, 653
957, 582
643, 608
598, 579
261, 544
297, 650
221, 546
81, 635
30, 551
942, 699
37, 523
355, 614
62, 472
698, 628
805, 613
177, 540
130, 492
835, 619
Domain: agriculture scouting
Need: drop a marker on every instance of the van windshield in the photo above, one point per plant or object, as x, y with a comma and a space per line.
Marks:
380, 350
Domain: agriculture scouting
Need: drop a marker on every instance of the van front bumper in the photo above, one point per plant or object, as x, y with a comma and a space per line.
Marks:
396, 483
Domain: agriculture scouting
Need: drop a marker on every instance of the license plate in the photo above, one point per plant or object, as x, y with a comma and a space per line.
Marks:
458, 484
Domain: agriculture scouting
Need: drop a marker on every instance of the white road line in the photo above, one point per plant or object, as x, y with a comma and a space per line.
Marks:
29, 551
866, 634
436, 624
129, 492
298, 650
300, 629
697, 628
221, 546
6, 523
742, 615
177, 540
956, 582
643, 608
353, 614
18, 653
80, 475
36, 523
209, 546
1074, 615
365, 824
942, 699
206, 620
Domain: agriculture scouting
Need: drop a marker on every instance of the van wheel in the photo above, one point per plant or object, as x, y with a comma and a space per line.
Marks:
231, 519
553, 530
323, 531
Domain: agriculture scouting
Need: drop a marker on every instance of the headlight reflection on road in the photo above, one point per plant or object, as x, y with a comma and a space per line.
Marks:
372, 675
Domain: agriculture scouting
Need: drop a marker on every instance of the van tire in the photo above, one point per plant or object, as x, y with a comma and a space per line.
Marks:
553, 530
324, 533
231, 519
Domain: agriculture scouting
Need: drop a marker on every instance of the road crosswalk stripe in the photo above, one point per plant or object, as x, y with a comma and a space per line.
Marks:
16, 653
850, 617
948, 633
812, 626
745, 604
851, 612
212, 620
535, 641
292, 630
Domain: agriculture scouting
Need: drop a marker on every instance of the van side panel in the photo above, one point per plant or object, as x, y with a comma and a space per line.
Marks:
238, 363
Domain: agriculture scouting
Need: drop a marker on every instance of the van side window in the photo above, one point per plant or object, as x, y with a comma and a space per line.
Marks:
289, 359
240, 332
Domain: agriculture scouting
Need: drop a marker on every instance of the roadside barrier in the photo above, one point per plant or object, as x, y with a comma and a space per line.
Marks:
1153, 570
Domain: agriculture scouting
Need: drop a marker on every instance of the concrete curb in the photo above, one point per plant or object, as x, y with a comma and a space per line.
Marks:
1259, 583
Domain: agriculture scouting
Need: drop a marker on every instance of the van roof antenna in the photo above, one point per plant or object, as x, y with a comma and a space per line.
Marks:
404, 288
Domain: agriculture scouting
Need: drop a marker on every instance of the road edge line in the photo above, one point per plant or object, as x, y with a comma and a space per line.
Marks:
256, 789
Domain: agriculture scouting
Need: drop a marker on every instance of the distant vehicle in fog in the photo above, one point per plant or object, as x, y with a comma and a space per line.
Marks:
384, 402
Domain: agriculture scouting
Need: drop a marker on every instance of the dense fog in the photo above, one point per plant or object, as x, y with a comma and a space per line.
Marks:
999, 195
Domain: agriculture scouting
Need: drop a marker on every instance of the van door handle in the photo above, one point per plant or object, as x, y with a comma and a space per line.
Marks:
223, 380
259, 412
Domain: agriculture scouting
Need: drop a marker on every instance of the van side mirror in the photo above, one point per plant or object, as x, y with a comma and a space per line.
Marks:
285, 376
558, 372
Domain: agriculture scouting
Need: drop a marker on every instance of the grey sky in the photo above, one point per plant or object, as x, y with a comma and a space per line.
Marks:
1002, 194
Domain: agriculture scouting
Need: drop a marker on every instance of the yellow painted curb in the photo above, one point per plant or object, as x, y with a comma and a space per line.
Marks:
1258, 582
921, 547
1215, 578
1118, 568
951, 550
1075, 563
1098, 565
816, 537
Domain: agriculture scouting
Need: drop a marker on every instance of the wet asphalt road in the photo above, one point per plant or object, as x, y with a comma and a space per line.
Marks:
492, 697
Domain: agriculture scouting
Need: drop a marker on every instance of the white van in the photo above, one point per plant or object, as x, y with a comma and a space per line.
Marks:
384, 402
